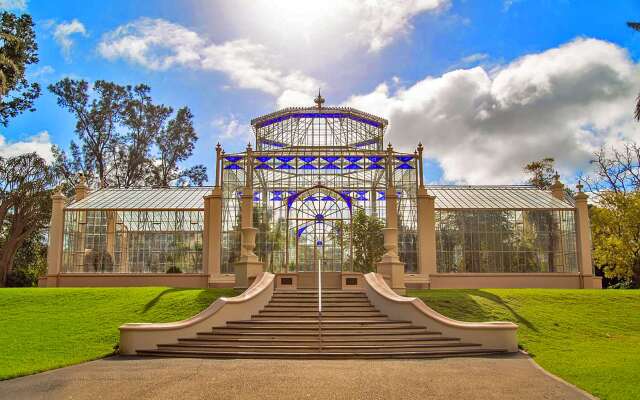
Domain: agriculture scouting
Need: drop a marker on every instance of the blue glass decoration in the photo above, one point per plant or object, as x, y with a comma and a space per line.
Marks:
263, 158
233, 166
375, 159
310, 198
353, 159
284, 166
256, 197
308, 166
346, 198
331, 159
277, 195
319, 217
307, 159
233, 158
285, 159
404, 158
404, 166
381, 193
273, 143
328, 198
292, 198
353, 166
330, 166
263, 166
301, 230
375, 166
281, 118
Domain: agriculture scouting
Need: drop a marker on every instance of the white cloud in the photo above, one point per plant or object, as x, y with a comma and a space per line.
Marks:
40, 143
63, 33
159, 45
474, 58
232, 130
482, 127
13, 4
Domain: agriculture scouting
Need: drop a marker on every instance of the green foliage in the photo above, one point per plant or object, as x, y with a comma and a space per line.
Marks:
30, 262
587, 337
51, 328
367, 241
174, 270
615, 227
18, 49
541, 173
124, 138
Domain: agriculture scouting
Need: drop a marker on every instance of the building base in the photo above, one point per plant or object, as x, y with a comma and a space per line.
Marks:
123, 280
511, 280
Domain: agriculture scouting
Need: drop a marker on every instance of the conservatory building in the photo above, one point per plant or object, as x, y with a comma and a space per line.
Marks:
320, 195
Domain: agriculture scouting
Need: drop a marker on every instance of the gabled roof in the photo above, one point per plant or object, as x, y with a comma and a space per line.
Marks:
495, 197
144, 198
315, 112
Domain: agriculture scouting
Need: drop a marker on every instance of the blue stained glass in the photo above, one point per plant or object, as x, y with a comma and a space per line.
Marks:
307, 159
308, 166
331, 159
284, 166
381, 197
353, 166
285, 159
233, 166
404, 158
330, 166
310, 198
263, 158
404, 166
375, 166
328, 198
276, 197
273, 143
366, 143
233, 158
317, 115
292, 193
301, 230
292, 198
353, 159
256, 197
263, 166
375, 158
319, 217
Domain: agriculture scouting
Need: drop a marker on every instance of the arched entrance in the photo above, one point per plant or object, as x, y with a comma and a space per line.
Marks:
318, 224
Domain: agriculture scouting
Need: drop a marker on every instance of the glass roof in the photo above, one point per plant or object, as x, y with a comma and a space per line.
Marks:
144, 198
495, 197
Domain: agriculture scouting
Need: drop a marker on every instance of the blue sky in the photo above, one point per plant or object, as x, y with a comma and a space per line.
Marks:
485, 85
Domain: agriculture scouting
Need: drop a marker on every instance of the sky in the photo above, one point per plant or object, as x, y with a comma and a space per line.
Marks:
486, 86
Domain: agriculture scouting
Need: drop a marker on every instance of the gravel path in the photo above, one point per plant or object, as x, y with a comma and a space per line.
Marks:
505, 377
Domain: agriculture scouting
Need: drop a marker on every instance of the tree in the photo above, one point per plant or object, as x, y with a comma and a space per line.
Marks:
367, 241
542, 173
615, 226
18, 49
636, 26
125, 139
615, 170
25, 204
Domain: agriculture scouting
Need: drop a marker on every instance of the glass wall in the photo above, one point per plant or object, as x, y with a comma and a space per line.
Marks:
138, 241
506, 241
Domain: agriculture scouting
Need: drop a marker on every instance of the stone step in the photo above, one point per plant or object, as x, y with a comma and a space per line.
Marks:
426, 353
315, 296
312, 307
314, 328
315, 347
315, 323
380, 341
325, 314
294, 317
336, 333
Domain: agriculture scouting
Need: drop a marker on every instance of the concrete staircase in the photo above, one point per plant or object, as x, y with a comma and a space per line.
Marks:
290, 327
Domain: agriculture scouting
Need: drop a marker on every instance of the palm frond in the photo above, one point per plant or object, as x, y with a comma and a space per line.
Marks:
634, 25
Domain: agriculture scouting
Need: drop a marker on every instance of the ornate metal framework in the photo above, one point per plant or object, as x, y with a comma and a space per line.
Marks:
328, 160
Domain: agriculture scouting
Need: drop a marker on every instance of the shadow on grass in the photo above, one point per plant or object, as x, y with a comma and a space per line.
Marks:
462, 305
498, 300
155, 300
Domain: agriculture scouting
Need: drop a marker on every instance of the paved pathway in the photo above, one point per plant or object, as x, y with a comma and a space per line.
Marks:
510, 377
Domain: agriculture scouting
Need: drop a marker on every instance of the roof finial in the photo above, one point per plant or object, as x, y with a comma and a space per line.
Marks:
319, 100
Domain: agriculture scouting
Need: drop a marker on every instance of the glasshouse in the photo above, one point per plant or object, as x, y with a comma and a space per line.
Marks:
320, 195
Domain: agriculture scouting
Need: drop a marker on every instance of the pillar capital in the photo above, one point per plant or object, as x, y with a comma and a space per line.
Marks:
557, 188
81, 189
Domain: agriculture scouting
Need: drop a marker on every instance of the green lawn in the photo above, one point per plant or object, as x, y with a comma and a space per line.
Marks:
41, 329
590, 338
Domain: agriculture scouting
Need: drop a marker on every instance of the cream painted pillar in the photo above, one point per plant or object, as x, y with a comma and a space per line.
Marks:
248, 266
426, 233
583, 236
56, 232
557, 189
212, 234
390, 266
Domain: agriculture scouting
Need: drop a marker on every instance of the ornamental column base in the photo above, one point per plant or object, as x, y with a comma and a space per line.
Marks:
246, 271
393, 273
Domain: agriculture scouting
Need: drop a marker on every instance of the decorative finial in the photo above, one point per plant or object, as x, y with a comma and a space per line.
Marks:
319, 100
249, 146
556, 177
420, 148
82, 180
389, 147
579, 186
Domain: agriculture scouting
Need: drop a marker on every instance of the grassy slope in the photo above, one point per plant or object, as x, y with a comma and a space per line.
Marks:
42, 329
590, 338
